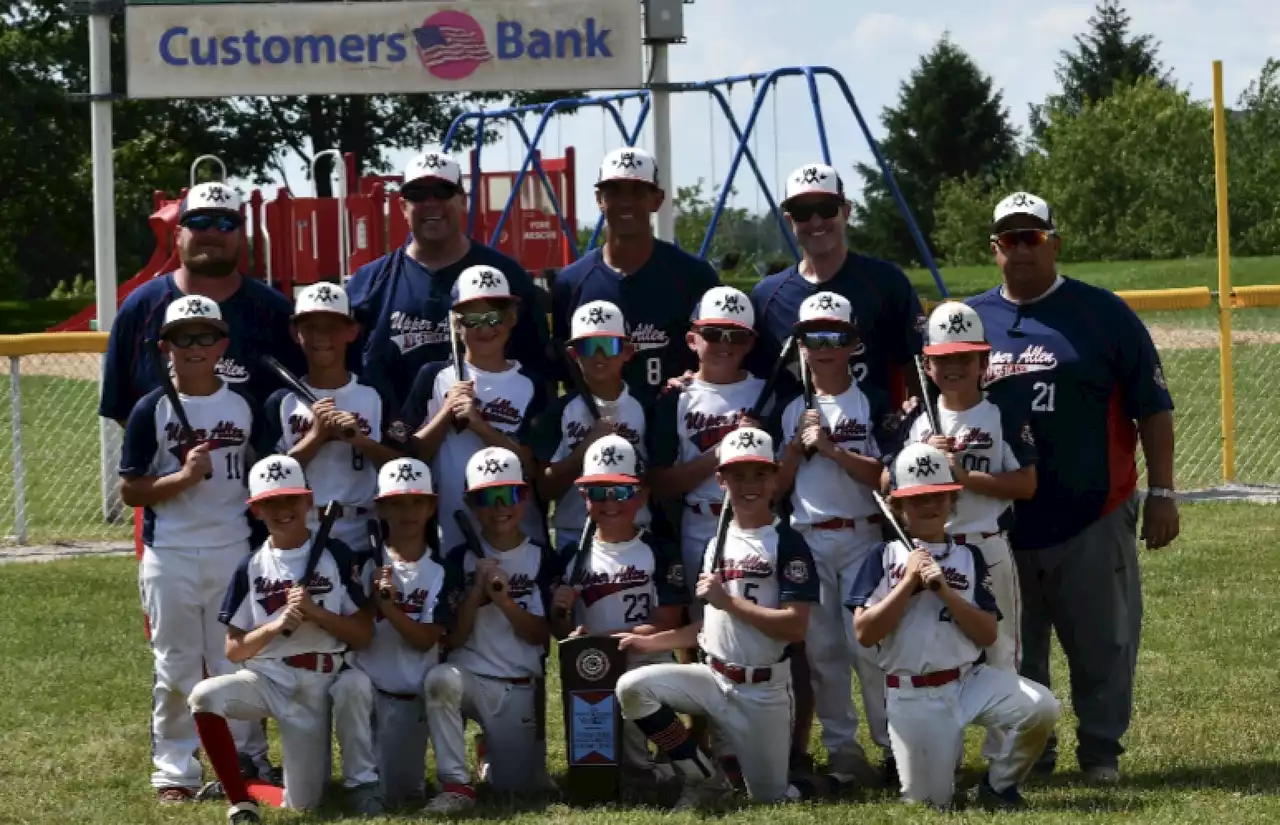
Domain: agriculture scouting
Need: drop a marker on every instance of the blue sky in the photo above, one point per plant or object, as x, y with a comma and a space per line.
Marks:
874, 45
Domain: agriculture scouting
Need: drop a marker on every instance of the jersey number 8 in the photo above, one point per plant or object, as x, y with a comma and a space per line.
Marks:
653, 371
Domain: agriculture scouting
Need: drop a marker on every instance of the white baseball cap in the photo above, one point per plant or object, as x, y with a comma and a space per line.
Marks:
725, 306
628, 163
277, 475
920, 469
481, 283
492, 467
827, 308
1023, 203
430, 166
813, 179
404, 477
191, 309
955, 327
598, 319
327, 298
746, 444
210, 197
610, 460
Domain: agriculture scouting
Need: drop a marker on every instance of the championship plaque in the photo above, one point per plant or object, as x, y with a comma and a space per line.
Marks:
589, 671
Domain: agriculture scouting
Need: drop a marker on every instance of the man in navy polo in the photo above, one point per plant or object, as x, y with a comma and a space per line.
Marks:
1082, 362
886, 308
402, 299
209, 242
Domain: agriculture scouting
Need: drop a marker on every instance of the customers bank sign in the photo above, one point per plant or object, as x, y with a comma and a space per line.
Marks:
177, 49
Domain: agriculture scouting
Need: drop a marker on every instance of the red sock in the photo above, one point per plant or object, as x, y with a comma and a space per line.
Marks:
215, 738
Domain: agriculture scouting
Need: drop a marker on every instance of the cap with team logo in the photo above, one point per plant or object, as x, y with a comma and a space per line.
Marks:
404, 477
920, 469
430, 166
611, 460
813, 179
1023, 203
746, 444
277, 475
598, 319
628, 163
725, 306
318, 298
210, 198
955, 327
481, 283
493, 466
826, 308
192, 309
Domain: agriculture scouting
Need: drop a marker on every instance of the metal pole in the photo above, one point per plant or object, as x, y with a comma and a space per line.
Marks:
1226, 378
19, 466
104, 227
661, 97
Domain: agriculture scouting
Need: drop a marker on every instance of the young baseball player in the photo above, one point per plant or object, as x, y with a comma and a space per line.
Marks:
832, 463
758, 595
291, 632
498, 640
625, 581
494, 406
930, 644
194, 531
352, 430
600, 349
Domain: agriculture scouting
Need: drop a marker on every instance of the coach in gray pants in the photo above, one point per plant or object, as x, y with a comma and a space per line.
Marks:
1083, 363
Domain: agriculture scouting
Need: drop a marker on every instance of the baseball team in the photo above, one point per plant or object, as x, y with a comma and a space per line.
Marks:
369, 511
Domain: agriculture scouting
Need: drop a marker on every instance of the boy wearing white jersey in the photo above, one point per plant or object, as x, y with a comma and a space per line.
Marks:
194, 532
625, 581
832, 464
930, 644
291, 636
494, 406
353, 428
758, 599
498, 641
600, 348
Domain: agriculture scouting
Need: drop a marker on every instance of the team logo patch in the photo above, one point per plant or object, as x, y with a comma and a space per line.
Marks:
592, 665
1027, 436
275, 471
796, 571
812, 174
627, 160
485, 280
609, 456
596, 317
217, 194
924, 467
955, 324
675, 575
194, 307
731, 305
325, 294
1159, 378
406, 473
922, 323
492, 466
827, 303
433, 161
1020, 199
746, 440
398, 430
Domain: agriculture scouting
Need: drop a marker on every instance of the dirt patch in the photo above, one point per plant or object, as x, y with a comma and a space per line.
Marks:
77, 365
1171, 336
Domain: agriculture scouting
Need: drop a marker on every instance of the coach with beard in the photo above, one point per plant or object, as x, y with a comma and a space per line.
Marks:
209, 239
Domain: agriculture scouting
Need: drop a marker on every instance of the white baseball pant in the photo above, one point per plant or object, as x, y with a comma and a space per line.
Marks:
182, 590
401, 735
352, 696
754, 719
697, 530
635, 745
832, 650
299, 702
927, 726
1006, 653
505, 711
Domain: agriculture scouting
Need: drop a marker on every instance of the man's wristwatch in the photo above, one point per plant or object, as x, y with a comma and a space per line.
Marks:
1163, 492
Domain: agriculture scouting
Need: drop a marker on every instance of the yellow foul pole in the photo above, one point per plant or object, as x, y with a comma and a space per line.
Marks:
1225, 376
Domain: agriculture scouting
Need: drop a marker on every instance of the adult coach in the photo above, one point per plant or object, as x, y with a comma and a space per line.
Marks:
655, 284
209, 242
1082, 362
402, 299
886, 308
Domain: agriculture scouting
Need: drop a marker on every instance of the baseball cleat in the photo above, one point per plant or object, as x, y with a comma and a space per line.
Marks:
174, 795
1101, 775
366, 800
449, 802
243, 813
991, 799
710, 794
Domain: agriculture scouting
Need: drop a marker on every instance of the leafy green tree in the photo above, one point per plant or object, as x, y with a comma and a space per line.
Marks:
1253, 148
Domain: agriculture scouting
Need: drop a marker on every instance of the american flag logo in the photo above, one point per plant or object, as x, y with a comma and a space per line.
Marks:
438, 45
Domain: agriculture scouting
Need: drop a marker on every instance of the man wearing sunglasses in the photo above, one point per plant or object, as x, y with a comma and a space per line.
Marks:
402, 300
1083, 364
210, 245
886, 309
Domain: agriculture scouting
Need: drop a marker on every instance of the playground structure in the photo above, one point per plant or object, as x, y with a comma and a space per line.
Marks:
529, 213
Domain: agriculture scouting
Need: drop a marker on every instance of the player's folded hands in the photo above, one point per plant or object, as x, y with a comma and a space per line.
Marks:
917, 560
564, 597
711, 590
945, 443
198, 463
384, 584
300, 599
289, 619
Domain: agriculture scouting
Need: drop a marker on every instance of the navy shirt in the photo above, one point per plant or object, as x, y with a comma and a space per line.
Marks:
657, 300
403, 310
256, 315
1082, 363
885, 307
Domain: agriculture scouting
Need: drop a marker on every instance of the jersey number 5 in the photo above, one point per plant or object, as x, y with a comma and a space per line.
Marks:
637, 607
1046, 396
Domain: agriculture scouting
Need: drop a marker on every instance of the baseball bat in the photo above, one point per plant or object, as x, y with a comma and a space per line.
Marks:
299, 389
925, 396
806, 381
473, 541
318, 542
459, 365
722, 531
375, 543
588, 533
161, 370
897, 529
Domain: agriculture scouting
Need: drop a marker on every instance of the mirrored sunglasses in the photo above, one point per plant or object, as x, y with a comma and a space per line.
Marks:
474, 320
607, 492
1023, 237
226, 224
186, 340
502, 495
724, 335
606, 346
826, 339
826, 209
420, 193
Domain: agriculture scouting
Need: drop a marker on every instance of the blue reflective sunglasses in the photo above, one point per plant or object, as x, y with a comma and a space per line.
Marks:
598, 493
606, 346
502, 495
226, 224
826, 339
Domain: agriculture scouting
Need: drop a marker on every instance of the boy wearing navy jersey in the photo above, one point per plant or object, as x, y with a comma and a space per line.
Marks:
930, 644
194, 532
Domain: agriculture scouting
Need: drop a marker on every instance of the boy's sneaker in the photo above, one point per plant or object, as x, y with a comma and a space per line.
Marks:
244, 813
710, 794
1102, 775
852, 766
1009, 799
454, 799
366, 799
174, 795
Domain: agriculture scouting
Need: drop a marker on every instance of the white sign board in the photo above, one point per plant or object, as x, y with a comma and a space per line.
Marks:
222, 50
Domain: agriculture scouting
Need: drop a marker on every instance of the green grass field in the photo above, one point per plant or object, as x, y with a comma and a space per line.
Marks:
1204, 746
